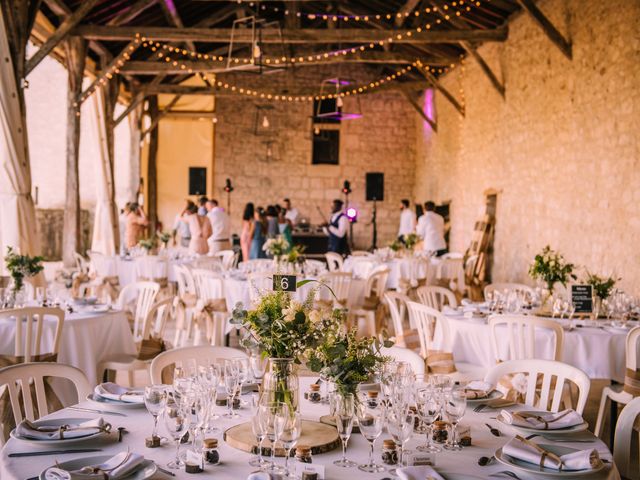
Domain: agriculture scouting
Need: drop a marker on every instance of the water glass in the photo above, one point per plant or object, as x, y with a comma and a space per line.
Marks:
273, 416
429, 407
155, 400
400, 426
455, 406
344, 413
231, 383
370, 422
177, 424
290, 436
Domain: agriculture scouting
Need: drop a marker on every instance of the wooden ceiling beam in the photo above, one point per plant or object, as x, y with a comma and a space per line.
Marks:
438, 86
547, 27
497, 84
171, 12
302, 36
161, 115
408, 7
131, 12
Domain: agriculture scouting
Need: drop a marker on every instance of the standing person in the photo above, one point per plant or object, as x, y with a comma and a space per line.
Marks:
181, 228
284, 227
135, 223
291, 212
202, 206
219, 219
337, 229
257, 233
431, 229
407, 220
200, 229
245, 235
272, 222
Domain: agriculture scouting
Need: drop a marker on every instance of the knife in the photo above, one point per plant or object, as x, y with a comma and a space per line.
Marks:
102, 412
53, 452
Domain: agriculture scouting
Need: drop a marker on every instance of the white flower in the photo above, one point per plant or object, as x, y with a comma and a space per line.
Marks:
315, 316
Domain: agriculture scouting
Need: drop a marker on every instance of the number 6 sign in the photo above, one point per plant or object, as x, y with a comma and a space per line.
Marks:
285, 283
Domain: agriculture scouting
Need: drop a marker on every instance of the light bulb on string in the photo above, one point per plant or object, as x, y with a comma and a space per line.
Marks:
265, 122
339, 102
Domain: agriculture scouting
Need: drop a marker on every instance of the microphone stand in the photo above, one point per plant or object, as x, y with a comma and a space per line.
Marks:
374, 242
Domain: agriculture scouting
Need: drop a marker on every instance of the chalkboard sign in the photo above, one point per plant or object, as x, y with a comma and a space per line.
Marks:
286, 283
582, 298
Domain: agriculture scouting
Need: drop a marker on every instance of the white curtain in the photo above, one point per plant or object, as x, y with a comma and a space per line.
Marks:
103, 240
17, 211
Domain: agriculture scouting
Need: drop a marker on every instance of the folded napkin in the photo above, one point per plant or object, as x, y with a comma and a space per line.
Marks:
113, 391
528, 451
423, 472
28, 429
447, 310
543, 420
259, 476
116, 467
478, 389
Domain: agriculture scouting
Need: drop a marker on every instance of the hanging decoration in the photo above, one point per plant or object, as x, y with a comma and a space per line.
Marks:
328, 109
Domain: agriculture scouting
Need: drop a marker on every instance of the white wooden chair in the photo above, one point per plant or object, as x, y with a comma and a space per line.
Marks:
228, 258
152, 268
509, 287
397, 304
622, 454
435, 337
620, 394
184, 304
334, 261
521, 334
374, 289
154, 327
30, 322
22, 377
103, 266
81, 263
450, 271
185, 281
401, 354
211, 302
340, 283
539, 393
143, 294
191, 356
362, 267
436, 297
414, 271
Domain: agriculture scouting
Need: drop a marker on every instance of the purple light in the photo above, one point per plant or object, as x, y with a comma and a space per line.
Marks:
352, 213
428, 110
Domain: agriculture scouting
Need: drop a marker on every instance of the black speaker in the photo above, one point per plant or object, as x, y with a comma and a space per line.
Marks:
375, 186
197, 181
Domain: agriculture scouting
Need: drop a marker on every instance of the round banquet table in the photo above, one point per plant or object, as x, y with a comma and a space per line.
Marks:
87, 339
127, 270
599, 352
234, 464
398, 268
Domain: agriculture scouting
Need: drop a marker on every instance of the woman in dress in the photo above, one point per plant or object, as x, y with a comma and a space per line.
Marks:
257, 233
284, 227
200, 228
272, 222
245, 235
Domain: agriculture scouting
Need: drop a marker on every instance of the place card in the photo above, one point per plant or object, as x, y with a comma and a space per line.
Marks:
309, 468
415, 459
582, 298
285, 283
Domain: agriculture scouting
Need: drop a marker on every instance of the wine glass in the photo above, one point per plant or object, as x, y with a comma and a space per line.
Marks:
273, 416
258, 364
428, 408
231, 382
155, 401
400, 426
455, 406
289, 439
242, 366
177, 424
370, 422
209, 378
259, 432
344, 413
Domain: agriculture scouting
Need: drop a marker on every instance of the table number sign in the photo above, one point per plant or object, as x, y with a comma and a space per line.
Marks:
286, 283
582, 298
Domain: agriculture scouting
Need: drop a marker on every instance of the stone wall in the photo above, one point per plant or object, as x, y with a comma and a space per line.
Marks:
562, 148
50, 226
383, 140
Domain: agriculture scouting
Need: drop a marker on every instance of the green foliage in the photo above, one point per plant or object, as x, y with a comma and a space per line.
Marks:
21, 266
148, 243
602, 287
164, 237
276, 247
411, 240
551, 267
296, 254
396, 245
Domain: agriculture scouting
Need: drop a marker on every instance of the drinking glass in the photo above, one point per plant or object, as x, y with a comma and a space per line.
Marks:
155, 400
273, 416
289, 439
455, 406
370, 422
344, 413
259, 432
242, 366
400, 426
209, 378
231, 382
429, 408
177, 423
258, 364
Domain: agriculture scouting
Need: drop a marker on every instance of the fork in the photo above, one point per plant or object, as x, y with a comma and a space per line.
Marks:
506, 473
560, 440
478, 408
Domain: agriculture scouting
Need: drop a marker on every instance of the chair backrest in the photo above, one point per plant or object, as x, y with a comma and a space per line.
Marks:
340, 283
334, 261
151, 267
377, 282
539, 394
361, 253
157, 318
417, 268
450, 269
103, 265
432, 327
401, 354
397, 303
633, 339
18, 378
30, 323
362, 267
209, 285
622, 455
184, 278
227, 258
436, 297
81, 264
144, 294
521, 334
509, 287
191, 356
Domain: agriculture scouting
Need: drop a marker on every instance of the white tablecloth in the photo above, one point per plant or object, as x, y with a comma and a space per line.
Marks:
86, 340
398, 268
599, 352
127, 271
234, 462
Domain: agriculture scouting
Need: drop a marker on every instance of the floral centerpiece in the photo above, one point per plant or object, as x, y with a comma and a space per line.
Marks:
164, 238
346, 359
21, 267
550, 267
296, 254
276, 247
602, 287
410, 240
148, 244
396, 245
283, 330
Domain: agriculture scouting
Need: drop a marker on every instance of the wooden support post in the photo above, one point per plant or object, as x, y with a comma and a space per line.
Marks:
547, 27
135, 137
75, 54
471, 50
152, 165
111, 96
135, 101
433, 124
156, 119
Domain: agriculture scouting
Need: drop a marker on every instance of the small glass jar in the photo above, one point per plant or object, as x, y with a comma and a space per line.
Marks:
303, 454
210, 451
372, 399
440, 432
314, 393
389, 452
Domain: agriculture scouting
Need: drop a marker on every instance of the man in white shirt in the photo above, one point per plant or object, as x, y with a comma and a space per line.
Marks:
431, 229
219, 239
292, 213
337, 229
407, 219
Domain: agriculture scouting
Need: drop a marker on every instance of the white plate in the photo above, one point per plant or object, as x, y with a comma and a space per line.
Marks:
57, 422
522, 466
494, 395
147, 468
559, 431
100, 308
107, 402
